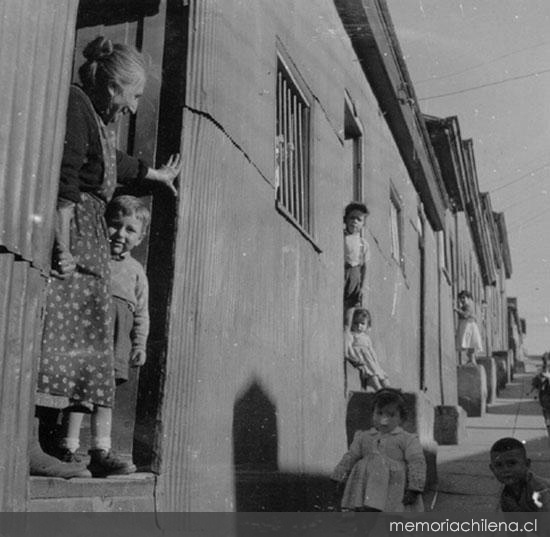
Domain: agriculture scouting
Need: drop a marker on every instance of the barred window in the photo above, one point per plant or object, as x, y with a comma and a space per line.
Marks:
292, 150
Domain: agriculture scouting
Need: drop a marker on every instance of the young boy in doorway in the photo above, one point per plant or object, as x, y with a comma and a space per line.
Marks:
523, 491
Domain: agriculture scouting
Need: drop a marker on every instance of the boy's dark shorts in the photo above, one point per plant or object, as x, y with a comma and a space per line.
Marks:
353, 296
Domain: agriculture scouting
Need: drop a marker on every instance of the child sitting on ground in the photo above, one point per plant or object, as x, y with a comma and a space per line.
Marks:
127, 220
523, 491
385, 468
361, 353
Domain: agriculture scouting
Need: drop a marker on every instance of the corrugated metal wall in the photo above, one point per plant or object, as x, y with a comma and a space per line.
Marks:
256, 314
21, 292
36, 42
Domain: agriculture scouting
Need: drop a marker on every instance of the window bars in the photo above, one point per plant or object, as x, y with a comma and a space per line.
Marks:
292, 151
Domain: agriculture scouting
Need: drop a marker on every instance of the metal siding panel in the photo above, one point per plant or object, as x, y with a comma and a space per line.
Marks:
245, 294
6, 398
61, 23
21, 98
21, 294
36, 43
13, 13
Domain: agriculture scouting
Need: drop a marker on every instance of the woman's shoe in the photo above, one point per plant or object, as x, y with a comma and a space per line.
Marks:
45, 465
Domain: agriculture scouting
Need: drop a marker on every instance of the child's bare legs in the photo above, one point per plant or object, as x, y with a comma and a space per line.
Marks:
102, 462
348, 317
348, 338
101, 425
71, 424
100, 422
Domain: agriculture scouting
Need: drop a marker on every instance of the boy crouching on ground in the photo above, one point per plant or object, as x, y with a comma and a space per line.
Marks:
523, 491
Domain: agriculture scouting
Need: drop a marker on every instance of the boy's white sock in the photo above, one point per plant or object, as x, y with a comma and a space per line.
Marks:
72, 444
101, 443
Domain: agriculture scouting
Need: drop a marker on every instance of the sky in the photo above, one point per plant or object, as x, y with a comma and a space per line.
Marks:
453, 47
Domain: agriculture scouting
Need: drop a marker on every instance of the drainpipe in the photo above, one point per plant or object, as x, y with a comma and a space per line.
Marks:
439, 336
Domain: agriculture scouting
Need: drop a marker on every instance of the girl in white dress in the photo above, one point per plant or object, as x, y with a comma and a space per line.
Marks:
468, 337
385, 468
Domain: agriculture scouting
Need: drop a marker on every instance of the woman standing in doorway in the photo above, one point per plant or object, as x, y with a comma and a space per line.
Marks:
77, 361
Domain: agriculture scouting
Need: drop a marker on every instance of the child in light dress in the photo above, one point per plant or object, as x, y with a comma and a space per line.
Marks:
127, 220
385, 468
468, 337
361, 354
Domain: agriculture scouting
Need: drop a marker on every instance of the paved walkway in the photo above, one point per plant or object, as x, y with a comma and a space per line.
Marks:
465, 481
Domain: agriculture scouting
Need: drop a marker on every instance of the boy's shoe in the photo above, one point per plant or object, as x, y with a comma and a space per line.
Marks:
104, 463
65, 455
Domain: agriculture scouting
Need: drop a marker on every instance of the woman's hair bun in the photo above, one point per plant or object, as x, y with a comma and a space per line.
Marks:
100, 47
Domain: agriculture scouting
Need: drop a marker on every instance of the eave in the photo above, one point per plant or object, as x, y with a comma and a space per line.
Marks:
369, 27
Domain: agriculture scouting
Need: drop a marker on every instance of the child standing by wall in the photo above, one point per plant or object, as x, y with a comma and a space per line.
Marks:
385, 468
541, 383
127, 220
468, 337
362, 355
523, 491
356, 256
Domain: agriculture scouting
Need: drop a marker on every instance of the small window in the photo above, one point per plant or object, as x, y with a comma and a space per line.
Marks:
292, 150
396, 227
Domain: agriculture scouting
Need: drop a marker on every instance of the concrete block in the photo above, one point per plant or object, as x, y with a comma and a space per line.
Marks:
420, 420
449, 425
503, 372
490, 367
506, 359
472, 389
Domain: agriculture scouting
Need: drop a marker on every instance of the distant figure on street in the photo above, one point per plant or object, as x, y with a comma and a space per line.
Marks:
468, 337
362, 355
523, 491
541, 383
385, 468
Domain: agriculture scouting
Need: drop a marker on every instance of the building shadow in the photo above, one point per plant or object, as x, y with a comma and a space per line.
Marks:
260, 485
527, 408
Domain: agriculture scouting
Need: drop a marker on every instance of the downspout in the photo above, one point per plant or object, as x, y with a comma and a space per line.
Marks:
439, 330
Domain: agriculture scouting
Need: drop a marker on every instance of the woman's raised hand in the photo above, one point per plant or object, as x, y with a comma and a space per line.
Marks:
168, 172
